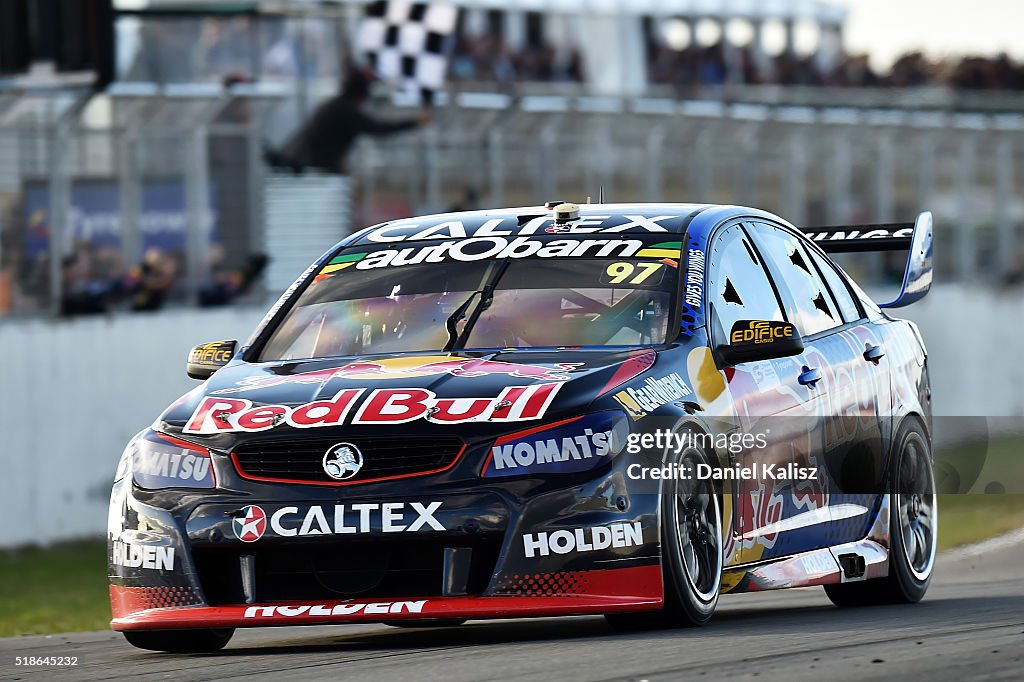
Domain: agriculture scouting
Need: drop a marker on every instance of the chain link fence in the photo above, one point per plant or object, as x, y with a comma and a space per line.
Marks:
130, 199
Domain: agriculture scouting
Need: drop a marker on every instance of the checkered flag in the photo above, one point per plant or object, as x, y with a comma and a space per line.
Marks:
404, 42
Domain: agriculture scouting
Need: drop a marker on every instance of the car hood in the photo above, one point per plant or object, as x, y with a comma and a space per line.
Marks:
471, 394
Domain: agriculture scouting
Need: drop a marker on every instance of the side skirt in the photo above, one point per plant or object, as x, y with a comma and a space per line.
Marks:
861, 560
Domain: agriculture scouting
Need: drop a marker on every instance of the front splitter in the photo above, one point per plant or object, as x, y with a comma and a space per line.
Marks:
610, 591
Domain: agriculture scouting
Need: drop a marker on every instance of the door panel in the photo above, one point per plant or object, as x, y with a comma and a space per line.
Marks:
845, 438
762, 398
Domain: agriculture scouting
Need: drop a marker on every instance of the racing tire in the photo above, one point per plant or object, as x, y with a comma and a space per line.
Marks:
691, 540
180, 641
428, 623
913, 528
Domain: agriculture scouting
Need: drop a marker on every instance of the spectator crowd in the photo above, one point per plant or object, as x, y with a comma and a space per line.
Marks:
487, 58
708, 66
95, 280
291, 48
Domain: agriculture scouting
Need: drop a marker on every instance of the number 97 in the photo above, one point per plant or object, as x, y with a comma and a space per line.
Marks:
621, 272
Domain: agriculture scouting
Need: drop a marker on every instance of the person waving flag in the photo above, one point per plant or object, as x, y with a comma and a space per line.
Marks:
405, 43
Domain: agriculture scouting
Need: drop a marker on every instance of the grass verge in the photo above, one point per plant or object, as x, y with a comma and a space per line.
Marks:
964, 519
59, 589
986, 467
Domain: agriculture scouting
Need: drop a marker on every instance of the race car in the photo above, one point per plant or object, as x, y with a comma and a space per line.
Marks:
611, 409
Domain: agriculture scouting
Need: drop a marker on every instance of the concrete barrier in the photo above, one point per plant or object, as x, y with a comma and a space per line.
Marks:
73, 393
973, 337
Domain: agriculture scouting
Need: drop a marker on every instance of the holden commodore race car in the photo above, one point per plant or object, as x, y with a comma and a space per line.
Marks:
624, 410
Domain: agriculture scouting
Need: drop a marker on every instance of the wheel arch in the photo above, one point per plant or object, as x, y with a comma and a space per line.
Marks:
692, 422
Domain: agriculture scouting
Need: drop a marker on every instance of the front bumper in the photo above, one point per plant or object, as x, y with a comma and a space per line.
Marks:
513, 548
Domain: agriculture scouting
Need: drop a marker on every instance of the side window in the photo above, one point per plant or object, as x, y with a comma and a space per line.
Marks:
814, 311
837, 283
738, 286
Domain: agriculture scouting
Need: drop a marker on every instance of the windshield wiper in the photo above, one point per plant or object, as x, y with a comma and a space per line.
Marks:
452, 323
486, 298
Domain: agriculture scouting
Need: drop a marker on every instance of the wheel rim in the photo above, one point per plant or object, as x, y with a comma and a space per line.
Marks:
697, 520
916, 507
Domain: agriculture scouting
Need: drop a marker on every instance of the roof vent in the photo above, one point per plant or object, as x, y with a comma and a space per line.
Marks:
551, 204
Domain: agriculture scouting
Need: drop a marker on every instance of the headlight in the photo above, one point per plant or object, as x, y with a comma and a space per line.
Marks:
158, 461
569, 446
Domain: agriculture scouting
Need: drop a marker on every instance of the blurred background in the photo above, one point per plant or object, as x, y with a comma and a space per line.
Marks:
168, 168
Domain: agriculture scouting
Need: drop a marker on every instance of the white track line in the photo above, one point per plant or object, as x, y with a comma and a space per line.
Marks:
985, 546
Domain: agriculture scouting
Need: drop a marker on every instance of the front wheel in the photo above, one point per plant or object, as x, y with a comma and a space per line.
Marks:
913, 528
180, 641
691, 551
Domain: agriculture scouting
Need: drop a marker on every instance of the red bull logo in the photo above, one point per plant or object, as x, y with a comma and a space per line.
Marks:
757, 509
406, 368
382, 406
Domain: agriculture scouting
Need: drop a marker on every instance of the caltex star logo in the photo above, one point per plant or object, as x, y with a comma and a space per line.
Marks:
250, 528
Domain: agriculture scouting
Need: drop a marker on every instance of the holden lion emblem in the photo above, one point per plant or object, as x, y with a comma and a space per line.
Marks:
343, 461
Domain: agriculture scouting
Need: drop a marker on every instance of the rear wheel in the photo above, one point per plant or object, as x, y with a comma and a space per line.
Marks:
180, 641
913, 528
691, 551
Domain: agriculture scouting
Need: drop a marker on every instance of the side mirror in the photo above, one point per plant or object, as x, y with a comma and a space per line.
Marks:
752, 340
206, 359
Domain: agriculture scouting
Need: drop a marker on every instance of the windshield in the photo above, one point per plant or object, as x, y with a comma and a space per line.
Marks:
532, 302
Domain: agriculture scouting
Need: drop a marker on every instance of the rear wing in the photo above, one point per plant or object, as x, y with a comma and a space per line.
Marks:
861, 238
914, 237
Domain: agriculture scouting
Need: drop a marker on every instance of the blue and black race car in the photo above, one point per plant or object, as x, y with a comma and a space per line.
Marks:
603, 409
